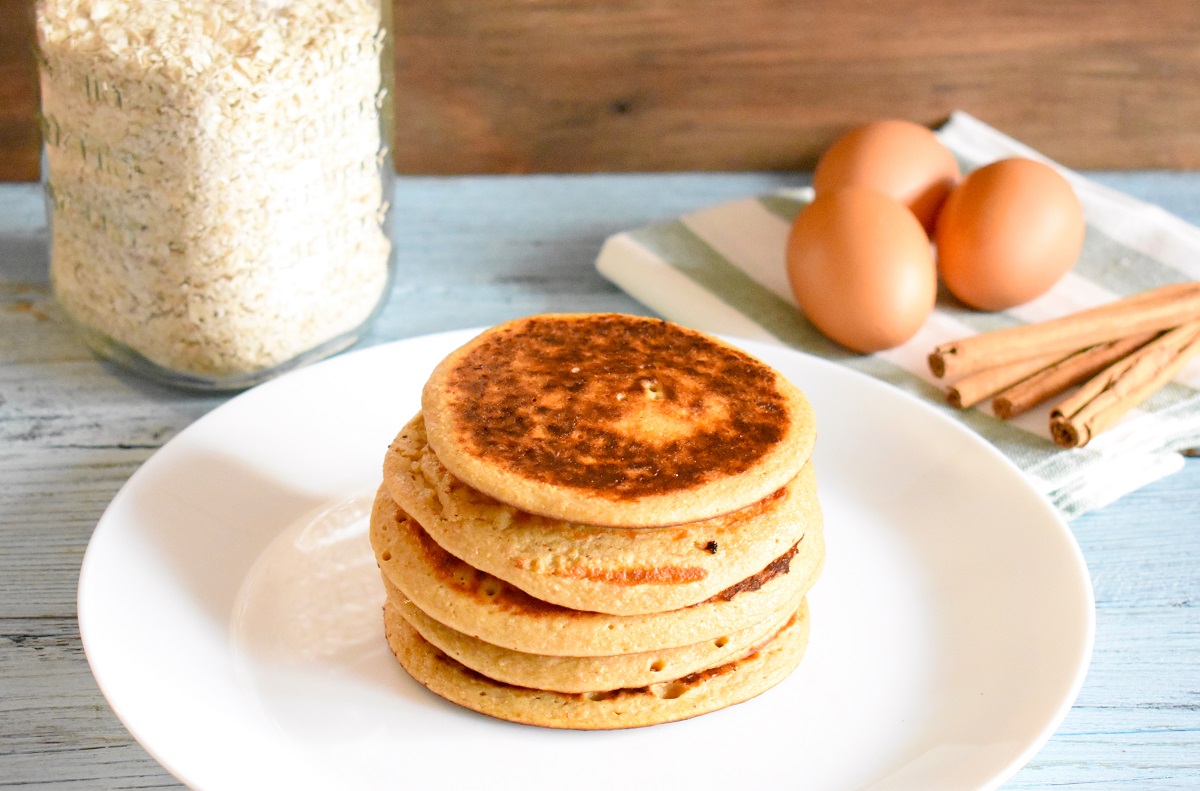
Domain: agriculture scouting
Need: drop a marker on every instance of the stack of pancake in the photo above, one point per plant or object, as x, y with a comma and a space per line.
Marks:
599, 521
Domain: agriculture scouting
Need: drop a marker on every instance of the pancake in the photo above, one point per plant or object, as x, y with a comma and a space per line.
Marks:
582, 673
668, 701
480, 605
584, 567
615, 420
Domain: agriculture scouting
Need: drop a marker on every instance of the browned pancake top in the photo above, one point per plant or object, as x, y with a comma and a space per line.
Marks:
621, 406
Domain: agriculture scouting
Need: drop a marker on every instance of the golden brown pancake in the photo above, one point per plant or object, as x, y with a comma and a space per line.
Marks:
615, 420
582, 673
480, 605
698, 693
584, 567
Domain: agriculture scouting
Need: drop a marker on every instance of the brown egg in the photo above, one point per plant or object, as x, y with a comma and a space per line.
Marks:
861, 268
898, 158
1008, 233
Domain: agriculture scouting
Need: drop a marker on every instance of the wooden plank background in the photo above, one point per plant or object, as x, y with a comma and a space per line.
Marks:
588, 85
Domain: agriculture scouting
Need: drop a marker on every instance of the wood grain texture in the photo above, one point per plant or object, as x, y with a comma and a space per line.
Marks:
477, 251
728, 84
20, 141
578, 85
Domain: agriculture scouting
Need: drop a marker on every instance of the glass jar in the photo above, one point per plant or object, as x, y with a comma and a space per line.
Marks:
218, 179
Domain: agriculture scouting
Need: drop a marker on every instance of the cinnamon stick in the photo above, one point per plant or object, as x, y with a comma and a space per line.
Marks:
973, 388
1157, 309
1122, 386
1051, 381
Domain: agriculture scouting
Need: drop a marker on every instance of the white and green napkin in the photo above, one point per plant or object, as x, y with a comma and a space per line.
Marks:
722, 270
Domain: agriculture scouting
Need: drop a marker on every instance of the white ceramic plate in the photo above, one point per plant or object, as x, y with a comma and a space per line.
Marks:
230, 609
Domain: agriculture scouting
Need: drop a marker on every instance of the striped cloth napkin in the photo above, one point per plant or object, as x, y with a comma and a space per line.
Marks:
722, 270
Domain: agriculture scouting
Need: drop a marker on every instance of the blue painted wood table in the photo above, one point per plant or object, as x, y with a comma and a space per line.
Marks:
476, 251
